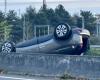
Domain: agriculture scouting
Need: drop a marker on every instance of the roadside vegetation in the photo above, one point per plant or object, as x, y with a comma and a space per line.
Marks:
69, 77
14, 25
94, 40
94, 52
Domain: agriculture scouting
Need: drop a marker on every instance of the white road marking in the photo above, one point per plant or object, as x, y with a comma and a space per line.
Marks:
6, 77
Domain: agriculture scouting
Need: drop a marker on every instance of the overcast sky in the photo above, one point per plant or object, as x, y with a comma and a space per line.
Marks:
73, 6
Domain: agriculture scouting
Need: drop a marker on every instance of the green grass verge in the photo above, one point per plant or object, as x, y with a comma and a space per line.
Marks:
94, 52
69, 77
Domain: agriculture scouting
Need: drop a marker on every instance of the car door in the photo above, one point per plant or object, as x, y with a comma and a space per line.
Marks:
45, 43
48, 44
28, 46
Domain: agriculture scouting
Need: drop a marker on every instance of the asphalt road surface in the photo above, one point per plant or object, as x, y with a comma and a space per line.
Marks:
13, 77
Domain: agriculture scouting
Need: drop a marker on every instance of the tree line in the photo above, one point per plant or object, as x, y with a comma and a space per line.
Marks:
11, 25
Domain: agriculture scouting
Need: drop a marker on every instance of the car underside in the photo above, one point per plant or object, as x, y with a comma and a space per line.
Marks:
64, 40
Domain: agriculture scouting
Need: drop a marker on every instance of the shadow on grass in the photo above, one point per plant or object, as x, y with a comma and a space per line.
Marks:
69, 77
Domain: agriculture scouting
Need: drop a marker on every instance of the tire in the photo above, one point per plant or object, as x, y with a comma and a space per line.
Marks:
62, 31
8, 47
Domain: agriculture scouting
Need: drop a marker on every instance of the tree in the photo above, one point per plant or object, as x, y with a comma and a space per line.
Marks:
77, 20
51, 16
62, 15
41, 17
89, 20
16, 27
28, 20
2, 17
4, 31
30, 15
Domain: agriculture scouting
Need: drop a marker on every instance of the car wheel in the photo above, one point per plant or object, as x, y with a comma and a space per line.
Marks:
62, 31
8, 47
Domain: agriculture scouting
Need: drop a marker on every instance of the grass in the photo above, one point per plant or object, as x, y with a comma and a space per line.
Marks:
66, 76
94, 52
69, 77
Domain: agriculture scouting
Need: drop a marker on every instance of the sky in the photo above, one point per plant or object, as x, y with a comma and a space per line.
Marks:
72, 6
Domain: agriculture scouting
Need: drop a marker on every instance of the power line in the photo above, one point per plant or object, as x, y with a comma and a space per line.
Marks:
37, 2
48, 2
23, 3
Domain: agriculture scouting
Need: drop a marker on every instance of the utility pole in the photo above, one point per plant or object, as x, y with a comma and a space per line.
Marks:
5, 7
24, 29
44, 4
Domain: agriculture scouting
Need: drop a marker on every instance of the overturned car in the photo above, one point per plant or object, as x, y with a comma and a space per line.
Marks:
64, 40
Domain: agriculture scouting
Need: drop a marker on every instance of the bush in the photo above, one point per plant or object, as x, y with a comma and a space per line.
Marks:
94, 52
94, 40
69, 77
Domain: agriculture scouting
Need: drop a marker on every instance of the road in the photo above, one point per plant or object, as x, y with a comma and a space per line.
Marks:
13, 77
